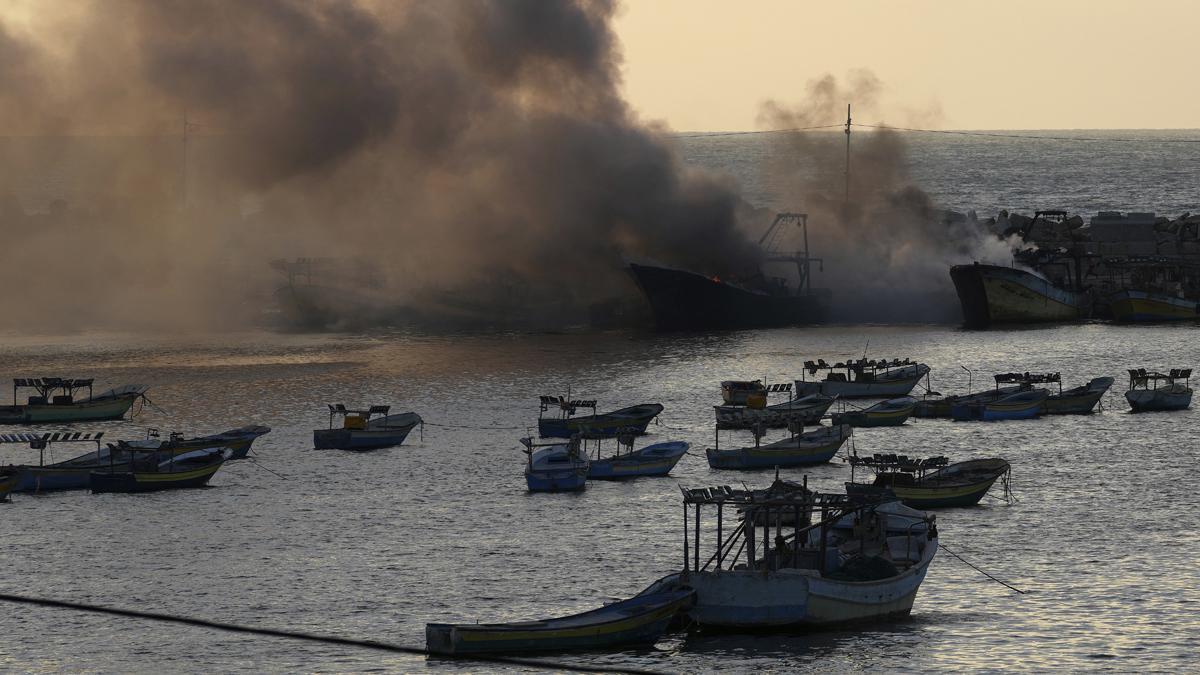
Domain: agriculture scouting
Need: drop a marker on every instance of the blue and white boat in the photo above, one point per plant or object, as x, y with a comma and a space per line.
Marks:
555, 467
363, 430
653, 460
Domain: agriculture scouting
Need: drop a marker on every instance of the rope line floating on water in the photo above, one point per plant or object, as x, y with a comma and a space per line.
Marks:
310, 637
964, 561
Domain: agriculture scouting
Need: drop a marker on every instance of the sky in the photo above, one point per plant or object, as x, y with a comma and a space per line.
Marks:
708, 65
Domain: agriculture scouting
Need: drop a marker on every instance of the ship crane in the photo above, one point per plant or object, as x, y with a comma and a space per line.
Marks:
801, 258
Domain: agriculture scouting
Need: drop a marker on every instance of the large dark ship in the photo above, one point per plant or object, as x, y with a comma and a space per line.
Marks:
686, 300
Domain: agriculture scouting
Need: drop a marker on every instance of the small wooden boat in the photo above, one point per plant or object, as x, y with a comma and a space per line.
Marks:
236, 441
55, 401
606, 425
928, 483
741, 392
150, 473
1022, 405
799, 449
653, 460
1079, 400
1151, 391
363, 430
638, 620
935, 406
807, 409
555, 467
71, 474
862, 378
1150, 306
890, 413
843, 560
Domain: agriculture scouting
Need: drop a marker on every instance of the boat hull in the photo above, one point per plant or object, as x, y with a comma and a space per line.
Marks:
991, 294
766, 456
873, 418
750, 599
639, 620
607, 425
1076, 404
880, 389
359, 439
1151, 400
87, 411
122, 481
771, 417
637, 464
933, 497
565, 480
682, 300
1146, 307
1027, 406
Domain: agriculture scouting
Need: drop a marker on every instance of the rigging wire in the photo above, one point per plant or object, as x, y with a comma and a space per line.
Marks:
310, 637
952, 132
1037, 137
758, 131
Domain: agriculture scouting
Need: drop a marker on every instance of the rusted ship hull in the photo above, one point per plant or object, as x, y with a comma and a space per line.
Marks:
682, 300
991, 294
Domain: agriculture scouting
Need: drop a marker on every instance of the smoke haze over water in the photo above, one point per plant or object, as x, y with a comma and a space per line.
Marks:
461, 145
477, 155
887, 254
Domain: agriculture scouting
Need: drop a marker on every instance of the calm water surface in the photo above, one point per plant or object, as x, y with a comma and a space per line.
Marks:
374, 545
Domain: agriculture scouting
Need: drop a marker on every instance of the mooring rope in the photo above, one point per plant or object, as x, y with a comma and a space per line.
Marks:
968, 564
310, 637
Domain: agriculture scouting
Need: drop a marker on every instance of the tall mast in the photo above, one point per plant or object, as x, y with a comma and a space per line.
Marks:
184, 176
846, 194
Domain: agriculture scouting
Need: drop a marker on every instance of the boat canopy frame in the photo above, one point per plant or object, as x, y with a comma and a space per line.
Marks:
42, 442
1143, 378
769, 508
1026, 380
46, 386
339, 409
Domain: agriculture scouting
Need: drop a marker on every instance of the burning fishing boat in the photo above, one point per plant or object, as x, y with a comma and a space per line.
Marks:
688, 300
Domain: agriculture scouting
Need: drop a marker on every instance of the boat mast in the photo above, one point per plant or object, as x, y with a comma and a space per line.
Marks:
846, 194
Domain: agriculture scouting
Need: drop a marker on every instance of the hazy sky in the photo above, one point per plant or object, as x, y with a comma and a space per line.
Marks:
1010, 64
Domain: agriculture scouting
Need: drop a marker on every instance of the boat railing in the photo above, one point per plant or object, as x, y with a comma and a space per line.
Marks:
771, 508
864, 369
881, 462
1139, 377
43, 441
340, 410
1027, 380
566, 406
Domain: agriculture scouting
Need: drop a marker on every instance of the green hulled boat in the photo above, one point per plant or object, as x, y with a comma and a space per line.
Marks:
929, 483
55, 400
